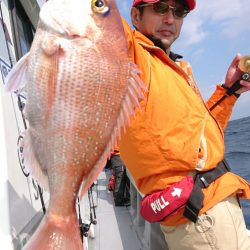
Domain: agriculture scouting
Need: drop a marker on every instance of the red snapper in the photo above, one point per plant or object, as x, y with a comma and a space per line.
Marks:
81, 89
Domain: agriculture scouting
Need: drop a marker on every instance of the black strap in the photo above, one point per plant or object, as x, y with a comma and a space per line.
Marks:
203, 180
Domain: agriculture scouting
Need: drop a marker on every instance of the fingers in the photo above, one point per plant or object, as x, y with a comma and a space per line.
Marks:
236, 60
233, 72
245, 87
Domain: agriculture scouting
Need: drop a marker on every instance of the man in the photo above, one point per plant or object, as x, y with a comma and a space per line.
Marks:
176, 134
121, 184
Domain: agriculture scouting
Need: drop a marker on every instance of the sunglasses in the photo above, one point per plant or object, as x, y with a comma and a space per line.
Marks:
162, 8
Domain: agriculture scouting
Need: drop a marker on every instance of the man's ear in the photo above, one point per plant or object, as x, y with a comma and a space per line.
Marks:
135, 17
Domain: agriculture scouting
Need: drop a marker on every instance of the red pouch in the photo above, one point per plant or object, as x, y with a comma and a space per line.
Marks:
155, 207
111, 183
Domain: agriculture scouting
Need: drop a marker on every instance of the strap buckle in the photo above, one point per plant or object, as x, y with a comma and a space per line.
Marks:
191, 212
203, 180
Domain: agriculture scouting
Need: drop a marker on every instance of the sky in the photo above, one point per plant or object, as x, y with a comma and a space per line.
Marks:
211, 36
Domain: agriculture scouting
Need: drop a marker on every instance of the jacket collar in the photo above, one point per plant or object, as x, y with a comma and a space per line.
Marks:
175, 57
153, 44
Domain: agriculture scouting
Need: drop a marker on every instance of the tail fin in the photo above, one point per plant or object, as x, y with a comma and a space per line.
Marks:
56, 233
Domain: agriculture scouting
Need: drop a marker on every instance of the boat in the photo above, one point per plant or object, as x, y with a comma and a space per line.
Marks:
23, 201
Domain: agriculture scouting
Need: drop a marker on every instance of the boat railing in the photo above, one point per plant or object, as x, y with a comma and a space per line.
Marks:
149, 234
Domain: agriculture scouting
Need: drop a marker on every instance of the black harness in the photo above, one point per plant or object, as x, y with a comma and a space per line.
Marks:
202, 180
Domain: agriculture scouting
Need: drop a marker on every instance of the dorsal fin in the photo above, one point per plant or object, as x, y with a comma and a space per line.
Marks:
135, 93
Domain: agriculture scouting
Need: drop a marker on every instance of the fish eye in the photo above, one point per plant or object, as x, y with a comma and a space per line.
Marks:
100, 7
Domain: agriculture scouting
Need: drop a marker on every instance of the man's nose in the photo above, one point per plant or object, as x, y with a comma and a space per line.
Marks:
169, 16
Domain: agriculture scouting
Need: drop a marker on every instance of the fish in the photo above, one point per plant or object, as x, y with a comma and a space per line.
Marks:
81, 89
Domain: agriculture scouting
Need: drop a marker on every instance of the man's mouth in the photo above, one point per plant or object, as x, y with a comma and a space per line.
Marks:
165, 32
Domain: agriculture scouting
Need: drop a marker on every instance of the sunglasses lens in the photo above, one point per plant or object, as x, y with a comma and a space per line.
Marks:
180, 12
162, 8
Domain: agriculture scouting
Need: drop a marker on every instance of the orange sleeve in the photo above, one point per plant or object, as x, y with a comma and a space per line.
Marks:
130, 39
222, 111
116, 151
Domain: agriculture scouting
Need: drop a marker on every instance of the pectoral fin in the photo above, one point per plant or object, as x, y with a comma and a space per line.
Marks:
17, 79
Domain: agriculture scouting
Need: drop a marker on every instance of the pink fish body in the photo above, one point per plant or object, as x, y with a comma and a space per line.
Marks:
81, 89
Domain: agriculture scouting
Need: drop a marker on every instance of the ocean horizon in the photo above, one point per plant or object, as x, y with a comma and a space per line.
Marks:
237, 154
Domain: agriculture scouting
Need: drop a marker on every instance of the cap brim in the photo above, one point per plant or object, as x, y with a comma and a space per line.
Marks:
190, 3
144, 1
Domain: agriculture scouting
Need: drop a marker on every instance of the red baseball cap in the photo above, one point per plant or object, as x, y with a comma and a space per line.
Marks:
190, 3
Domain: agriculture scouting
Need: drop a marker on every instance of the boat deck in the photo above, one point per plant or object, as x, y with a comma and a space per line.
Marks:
114, 228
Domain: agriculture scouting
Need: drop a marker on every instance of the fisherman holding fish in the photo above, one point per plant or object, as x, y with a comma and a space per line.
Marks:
176, 138
82, 86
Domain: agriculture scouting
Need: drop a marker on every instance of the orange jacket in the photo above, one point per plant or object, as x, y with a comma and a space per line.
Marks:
116, 151
174, 134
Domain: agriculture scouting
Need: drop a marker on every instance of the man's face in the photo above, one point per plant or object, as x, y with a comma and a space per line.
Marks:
163, 27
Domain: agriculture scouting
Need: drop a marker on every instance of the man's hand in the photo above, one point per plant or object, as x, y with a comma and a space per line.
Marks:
234, 74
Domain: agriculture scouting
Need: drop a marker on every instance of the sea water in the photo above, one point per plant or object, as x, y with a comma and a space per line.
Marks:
237, 141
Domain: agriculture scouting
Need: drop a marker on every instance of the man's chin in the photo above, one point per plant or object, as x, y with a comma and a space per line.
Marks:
159, 42
166, 43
